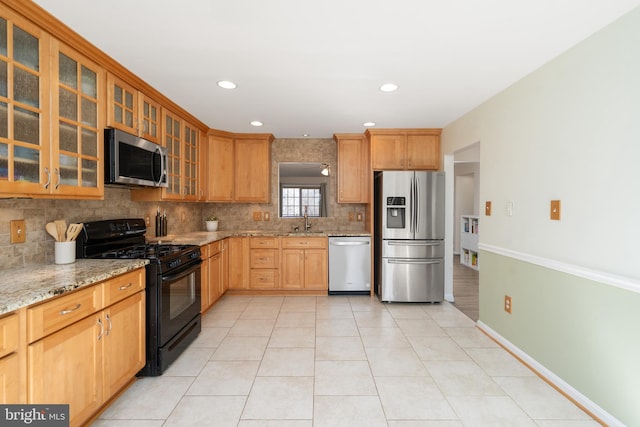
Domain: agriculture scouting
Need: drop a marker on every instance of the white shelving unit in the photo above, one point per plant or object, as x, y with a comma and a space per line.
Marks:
469, 227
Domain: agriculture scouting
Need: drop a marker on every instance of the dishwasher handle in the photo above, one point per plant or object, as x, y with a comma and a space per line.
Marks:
360, 243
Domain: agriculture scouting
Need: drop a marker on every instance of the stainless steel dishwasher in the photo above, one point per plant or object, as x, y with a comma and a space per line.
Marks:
349, 265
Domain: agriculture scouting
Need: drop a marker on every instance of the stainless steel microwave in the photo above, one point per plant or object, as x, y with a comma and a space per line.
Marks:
131, 160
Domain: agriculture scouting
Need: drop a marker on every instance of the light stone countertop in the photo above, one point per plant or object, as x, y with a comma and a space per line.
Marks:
201, 238
20, 287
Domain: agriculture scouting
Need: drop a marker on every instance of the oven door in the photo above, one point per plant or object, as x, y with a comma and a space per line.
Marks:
179, 301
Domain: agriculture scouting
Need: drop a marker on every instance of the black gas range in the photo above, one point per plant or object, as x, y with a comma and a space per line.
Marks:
172, 284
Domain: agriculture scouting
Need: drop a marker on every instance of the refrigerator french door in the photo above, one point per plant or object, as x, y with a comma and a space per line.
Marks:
410, 236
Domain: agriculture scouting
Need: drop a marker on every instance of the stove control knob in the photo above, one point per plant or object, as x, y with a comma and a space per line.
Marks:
175, 263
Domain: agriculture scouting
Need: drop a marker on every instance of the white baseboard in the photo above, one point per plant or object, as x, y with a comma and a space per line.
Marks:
558, 382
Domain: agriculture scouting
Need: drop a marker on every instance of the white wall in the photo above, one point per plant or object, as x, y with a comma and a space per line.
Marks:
569, 131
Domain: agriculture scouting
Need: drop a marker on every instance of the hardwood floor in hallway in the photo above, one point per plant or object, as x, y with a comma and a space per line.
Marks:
465, 289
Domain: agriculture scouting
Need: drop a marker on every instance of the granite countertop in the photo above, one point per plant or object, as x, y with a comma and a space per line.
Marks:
204, 237
21, 287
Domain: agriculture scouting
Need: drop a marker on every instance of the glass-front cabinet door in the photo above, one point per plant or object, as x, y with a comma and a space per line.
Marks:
77, 125
173, 143
122, 111
190, 162
150, 119
24, 112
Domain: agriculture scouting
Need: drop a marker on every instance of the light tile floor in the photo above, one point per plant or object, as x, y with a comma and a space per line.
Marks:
341, 361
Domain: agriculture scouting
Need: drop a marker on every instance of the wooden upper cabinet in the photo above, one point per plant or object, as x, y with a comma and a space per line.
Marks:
25, 112
402, 149
423, 152
239, 167
77, 125
253, 169
220, 168
123, 105
132, 111
353, 168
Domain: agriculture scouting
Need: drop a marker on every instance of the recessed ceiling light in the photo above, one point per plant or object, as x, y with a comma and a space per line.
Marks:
256, 123
368, 124
389, 87
226, 84
305, 134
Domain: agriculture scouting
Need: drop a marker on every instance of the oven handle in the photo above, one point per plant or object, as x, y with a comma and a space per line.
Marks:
193, 266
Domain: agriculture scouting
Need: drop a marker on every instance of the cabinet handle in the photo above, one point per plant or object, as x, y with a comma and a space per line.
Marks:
59, 177
110, 325
46, 184
125, 287
101, 329
70, 310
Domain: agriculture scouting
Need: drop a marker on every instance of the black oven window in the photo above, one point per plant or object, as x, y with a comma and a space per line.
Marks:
182, 295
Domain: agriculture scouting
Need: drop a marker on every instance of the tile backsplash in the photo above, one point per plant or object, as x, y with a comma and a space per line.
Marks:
182, 217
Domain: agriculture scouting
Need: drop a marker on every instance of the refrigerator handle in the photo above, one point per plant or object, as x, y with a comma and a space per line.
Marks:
417, 205
411, 208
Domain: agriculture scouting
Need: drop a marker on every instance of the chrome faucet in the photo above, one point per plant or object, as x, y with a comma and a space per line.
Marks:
307, 226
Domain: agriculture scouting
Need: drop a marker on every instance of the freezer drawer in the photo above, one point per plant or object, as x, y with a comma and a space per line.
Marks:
349, 265
412, 280
413, 249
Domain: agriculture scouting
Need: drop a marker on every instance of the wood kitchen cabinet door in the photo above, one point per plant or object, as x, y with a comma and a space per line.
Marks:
316, 269
66, 368
122, 112
238, 259
353, 168
253, 169
220, 169
388, 152
292, 270
124, 342
423, 152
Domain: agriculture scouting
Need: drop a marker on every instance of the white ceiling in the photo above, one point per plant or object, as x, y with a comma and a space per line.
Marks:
314, 67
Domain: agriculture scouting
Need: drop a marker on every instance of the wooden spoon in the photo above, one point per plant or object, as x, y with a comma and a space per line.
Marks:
52, 229
61, 227
73, 231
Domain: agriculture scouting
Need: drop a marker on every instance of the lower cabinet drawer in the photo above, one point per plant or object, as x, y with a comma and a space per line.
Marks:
263, 279
264, 258
119, 288
51, 316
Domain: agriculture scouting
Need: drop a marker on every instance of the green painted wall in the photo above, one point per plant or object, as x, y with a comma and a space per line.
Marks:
585, 332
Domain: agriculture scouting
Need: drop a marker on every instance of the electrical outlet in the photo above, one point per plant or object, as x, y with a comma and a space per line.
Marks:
147, 220
507, 304
487, 208
359, 216
555, 210
183, 217
266, 216
257, 216
350, 215
18, 231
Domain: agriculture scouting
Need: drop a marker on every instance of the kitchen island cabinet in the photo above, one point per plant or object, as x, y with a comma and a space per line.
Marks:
86, 345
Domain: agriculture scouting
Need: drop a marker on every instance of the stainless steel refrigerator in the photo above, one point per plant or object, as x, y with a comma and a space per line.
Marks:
409, 236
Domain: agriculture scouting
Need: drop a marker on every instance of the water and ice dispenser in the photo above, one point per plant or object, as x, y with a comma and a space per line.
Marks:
396, 212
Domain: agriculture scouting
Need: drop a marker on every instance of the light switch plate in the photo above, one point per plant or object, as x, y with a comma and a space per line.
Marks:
257, 216
18, 231
487, 208
555, 210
